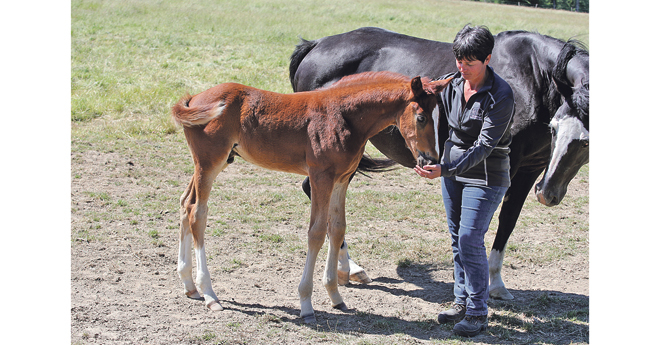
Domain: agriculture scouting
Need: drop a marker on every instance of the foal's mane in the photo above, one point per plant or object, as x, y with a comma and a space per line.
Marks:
370, 78
372, 88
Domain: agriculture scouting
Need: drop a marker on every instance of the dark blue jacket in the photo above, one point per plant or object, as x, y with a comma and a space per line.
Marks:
477, 150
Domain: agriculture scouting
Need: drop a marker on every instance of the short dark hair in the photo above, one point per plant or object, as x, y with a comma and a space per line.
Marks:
473, 43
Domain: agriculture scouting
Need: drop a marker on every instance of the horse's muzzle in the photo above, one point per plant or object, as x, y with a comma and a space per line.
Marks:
546, 197
424, 159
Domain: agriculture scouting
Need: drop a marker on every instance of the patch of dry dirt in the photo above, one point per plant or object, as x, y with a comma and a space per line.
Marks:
125, 289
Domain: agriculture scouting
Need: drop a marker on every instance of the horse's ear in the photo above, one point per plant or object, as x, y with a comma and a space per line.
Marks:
417, 87
435, 87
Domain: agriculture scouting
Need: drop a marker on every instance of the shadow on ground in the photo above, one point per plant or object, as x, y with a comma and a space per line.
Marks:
550, 317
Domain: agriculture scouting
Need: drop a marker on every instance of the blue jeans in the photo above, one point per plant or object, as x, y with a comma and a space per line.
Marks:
470, 209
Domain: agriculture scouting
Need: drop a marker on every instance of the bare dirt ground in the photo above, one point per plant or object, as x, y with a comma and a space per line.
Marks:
125, 289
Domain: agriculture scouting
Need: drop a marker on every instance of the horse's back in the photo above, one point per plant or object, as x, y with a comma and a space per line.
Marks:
368, 49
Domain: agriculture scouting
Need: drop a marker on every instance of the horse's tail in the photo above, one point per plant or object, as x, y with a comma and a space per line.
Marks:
187, 116
374, 165
302, 49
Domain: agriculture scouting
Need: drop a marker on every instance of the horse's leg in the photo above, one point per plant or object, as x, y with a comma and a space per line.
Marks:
184, 267
347, 268
318, 227
336, 231
195, 212
514, 200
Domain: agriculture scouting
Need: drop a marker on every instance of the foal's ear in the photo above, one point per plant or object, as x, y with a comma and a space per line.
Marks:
434, 87
417, 87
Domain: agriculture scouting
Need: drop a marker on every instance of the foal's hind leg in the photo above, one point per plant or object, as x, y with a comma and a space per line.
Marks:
194, 212
349, 270
184, 267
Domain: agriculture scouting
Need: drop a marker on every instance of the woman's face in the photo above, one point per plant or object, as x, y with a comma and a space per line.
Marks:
472, 69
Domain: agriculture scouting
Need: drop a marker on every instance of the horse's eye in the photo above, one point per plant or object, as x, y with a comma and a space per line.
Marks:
585, 142
421, 119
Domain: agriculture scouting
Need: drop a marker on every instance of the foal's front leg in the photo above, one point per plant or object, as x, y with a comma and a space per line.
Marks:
336, 230
315, 239
318, 228
347, 269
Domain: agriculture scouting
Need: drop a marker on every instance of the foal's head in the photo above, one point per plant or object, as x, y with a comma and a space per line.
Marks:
419, 122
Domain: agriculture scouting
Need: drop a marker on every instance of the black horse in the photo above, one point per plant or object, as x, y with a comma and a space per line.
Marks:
550, 82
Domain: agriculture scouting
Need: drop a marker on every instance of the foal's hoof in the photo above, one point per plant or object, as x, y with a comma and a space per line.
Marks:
500, 293
193, 295
361, 277
341, 306
214, 306
309, 318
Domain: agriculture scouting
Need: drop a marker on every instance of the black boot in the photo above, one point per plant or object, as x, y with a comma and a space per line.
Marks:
454, 314
471, 325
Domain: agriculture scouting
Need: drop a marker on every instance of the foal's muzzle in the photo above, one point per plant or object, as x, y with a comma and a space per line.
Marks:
425, 159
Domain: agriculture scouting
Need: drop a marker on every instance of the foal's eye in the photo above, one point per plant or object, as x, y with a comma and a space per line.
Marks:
584, 142
421, 119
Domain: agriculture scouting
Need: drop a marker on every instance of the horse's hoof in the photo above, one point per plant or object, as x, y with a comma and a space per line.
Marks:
500, 293
341, 306
193, 295
309, 318
214, 306
342, 278
361, 277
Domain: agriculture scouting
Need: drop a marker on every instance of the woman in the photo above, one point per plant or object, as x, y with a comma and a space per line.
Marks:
474, 169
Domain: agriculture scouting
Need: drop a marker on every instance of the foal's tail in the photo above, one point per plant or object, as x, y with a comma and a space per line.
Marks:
187, 116
374, 165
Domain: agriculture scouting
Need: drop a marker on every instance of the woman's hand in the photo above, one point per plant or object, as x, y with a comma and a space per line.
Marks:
428, 171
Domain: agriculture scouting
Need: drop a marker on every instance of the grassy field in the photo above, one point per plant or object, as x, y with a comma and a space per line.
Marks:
131, 60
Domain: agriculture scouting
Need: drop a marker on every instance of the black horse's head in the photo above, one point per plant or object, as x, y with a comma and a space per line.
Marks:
569, 126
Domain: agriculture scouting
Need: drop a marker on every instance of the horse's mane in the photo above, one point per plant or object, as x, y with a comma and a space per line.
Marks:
579, 99
569, 49
579, 45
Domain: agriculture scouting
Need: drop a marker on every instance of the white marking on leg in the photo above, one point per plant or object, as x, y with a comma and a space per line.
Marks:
330, 279
184, 267
344, 266
350, 271
204, 277
496, 288
306, 284
495, 261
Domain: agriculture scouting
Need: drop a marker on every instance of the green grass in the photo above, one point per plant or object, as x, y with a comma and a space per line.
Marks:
131, 60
